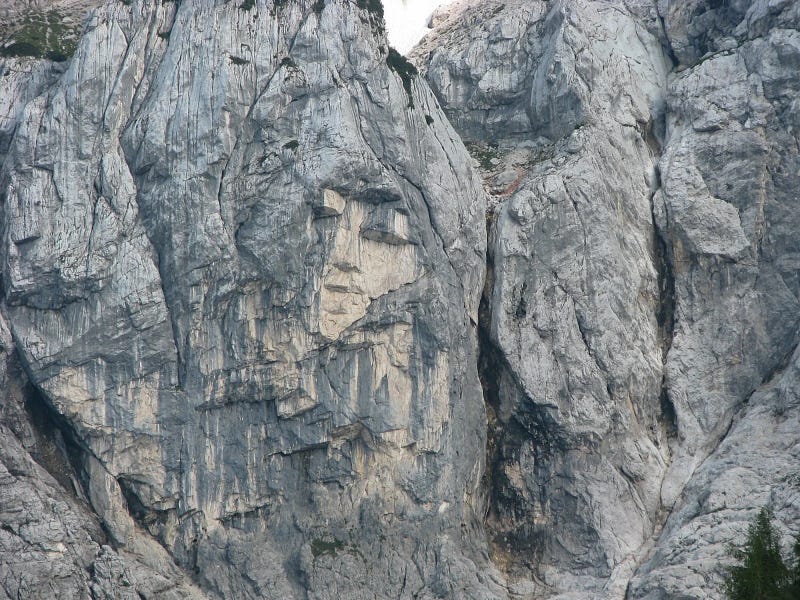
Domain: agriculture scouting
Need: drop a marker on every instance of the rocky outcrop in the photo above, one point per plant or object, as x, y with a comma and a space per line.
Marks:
243, 259
581, 440
268, 333
52, 544
727, 209
641, 156
47, 29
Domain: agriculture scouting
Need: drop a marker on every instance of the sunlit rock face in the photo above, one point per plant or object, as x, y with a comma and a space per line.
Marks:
244, 262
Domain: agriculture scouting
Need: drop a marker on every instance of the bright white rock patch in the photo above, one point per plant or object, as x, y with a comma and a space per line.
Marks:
406, 20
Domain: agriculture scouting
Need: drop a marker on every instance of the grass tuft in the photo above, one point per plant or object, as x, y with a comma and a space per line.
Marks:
321, 547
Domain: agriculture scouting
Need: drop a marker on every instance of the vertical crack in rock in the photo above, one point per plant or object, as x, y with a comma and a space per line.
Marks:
665, 315
574, 383
515, 543
489, 366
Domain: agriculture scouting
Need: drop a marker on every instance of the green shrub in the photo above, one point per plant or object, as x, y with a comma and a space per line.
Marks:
42, 35
320, 547
484, 154
374, 9
403, 67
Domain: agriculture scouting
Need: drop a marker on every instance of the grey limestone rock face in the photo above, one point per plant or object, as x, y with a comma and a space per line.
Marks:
42, 29
52, 545
573, 302
243, 259
728, 206
22, 79
644, 279
268, 333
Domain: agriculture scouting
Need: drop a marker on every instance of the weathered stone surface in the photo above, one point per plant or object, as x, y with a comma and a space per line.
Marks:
754, 466
243, 258
728, 209
22, 80
244, 262
580, 443
603, 265
51, 543
43, 29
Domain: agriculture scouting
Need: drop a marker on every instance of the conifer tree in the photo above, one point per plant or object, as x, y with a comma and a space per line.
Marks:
761, 574
793, 588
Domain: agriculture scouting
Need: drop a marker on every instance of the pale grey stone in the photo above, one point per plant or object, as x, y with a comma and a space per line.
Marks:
244, 263
654, 228
246, 271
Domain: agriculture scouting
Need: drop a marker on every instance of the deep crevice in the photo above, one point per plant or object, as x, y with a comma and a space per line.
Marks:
136, 507
57, 449
490, 365
515, 545
666, 43
50, 439
665, 313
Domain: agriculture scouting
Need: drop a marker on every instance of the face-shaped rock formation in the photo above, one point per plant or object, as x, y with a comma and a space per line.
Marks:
264, 337
244, 254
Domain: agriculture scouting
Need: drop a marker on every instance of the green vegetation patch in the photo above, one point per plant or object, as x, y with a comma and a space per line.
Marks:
278, 5
42, 35
484, 154
405, 69
320, 547
374, 10
373, 7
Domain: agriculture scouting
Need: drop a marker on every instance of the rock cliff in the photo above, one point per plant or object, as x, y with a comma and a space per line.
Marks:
641, 317
272, 330
244, 254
